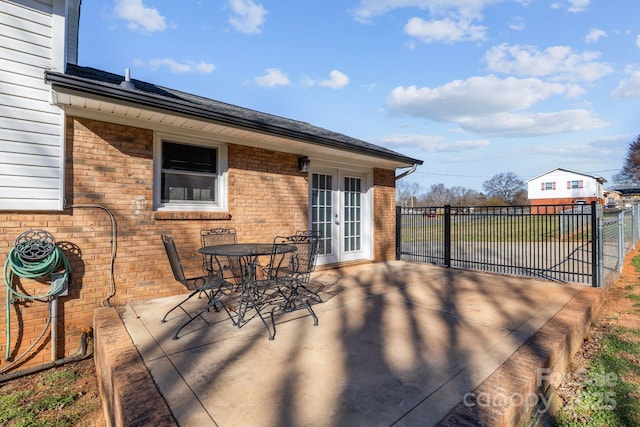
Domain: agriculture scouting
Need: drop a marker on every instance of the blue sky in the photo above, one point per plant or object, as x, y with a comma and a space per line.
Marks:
472, 87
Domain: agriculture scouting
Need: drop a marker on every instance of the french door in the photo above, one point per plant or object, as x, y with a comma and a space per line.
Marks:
340, 210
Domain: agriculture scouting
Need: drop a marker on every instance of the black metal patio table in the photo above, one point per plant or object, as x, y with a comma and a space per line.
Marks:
248, 255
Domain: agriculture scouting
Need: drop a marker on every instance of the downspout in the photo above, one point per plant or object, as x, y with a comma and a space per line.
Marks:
409, 172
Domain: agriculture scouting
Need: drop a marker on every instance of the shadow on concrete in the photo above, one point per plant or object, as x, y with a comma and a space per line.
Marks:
398, 344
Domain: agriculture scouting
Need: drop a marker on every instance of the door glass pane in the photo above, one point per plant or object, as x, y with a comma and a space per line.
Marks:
322, 210
352, 207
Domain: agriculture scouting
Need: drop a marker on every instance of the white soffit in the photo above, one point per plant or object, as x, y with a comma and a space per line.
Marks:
132, 115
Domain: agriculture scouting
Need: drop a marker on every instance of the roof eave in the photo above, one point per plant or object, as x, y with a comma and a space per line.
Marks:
600, 179
69, 82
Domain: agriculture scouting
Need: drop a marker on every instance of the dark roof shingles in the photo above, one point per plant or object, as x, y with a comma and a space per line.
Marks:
245, 114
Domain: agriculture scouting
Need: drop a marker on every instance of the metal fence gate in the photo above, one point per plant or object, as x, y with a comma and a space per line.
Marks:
566, 243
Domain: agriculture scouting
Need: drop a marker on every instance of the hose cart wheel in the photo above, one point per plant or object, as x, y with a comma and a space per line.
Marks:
35, 245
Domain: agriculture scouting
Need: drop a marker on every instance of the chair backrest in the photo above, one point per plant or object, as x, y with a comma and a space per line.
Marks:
316, 234
301, 262
174, 259
218, 236
226, 267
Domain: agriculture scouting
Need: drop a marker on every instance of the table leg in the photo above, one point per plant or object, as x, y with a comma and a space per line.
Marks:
248, 288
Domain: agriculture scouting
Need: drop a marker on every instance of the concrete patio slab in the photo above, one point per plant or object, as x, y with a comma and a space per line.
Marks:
398, 344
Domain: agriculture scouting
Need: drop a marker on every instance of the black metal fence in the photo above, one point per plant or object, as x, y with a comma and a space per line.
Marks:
565, 243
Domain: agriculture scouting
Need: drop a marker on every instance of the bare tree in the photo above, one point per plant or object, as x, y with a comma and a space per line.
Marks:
407, 193
630, 172
438, 195
504, 186
462, 196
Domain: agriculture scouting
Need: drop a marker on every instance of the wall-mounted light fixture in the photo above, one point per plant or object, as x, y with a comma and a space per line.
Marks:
303, 164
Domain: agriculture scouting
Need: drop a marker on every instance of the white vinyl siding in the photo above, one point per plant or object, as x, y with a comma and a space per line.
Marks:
31, 139
564, 184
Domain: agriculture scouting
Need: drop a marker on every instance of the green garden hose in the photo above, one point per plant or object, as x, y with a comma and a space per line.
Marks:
29, 268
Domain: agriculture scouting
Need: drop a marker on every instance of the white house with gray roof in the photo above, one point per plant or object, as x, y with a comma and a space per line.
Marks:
565, 186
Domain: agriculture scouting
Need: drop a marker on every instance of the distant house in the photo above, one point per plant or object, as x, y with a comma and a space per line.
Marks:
107, 163
564, 186
613, 198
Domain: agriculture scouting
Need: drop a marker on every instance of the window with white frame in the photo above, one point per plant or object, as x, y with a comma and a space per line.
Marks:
189, 176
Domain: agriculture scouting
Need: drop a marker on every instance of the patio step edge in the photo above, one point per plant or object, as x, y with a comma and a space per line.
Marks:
129, 395
514, 389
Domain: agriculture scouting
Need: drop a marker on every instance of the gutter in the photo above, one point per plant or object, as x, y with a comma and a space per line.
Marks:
409, 172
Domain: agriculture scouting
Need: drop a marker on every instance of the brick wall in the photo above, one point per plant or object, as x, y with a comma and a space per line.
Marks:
564, 201
384, 216
109, 177
537, 205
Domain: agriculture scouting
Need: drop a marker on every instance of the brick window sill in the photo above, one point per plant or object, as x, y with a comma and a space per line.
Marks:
190, 215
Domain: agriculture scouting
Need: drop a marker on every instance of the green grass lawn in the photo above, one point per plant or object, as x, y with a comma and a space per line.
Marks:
609, 392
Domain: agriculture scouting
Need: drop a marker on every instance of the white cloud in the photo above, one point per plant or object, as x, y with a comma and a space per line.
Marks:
476, 96
638, 40
612, 143
273, 77
337, 80
578, 5
446, 30
559, 62
369, 9
492, 106
139, 16
369, 87
594, 35
517, 24
247, 16
533, 124
448, 20
175, 66
629, 87
430, 143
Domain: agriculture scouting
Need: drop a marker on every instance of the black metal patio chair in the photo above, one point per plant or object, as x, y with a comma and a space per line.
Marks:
209, 285
313, 237
291, 271
213, 265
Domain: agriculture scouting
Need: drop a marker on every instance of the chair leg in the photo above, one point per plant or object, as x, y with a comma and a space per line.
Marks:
290, 305
213, 301
264, 322
313, 293
310, 310
164, 319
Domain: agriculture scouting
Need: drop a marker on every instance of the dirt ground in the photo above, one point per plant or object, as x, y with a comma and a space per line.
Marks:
83, 408
618, 310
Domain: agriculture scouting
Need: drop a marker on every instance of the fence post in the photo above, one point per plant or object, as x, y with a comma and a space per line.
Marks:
597, 262
398, 232
634, 225
447, 235
600, 258
620, 240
